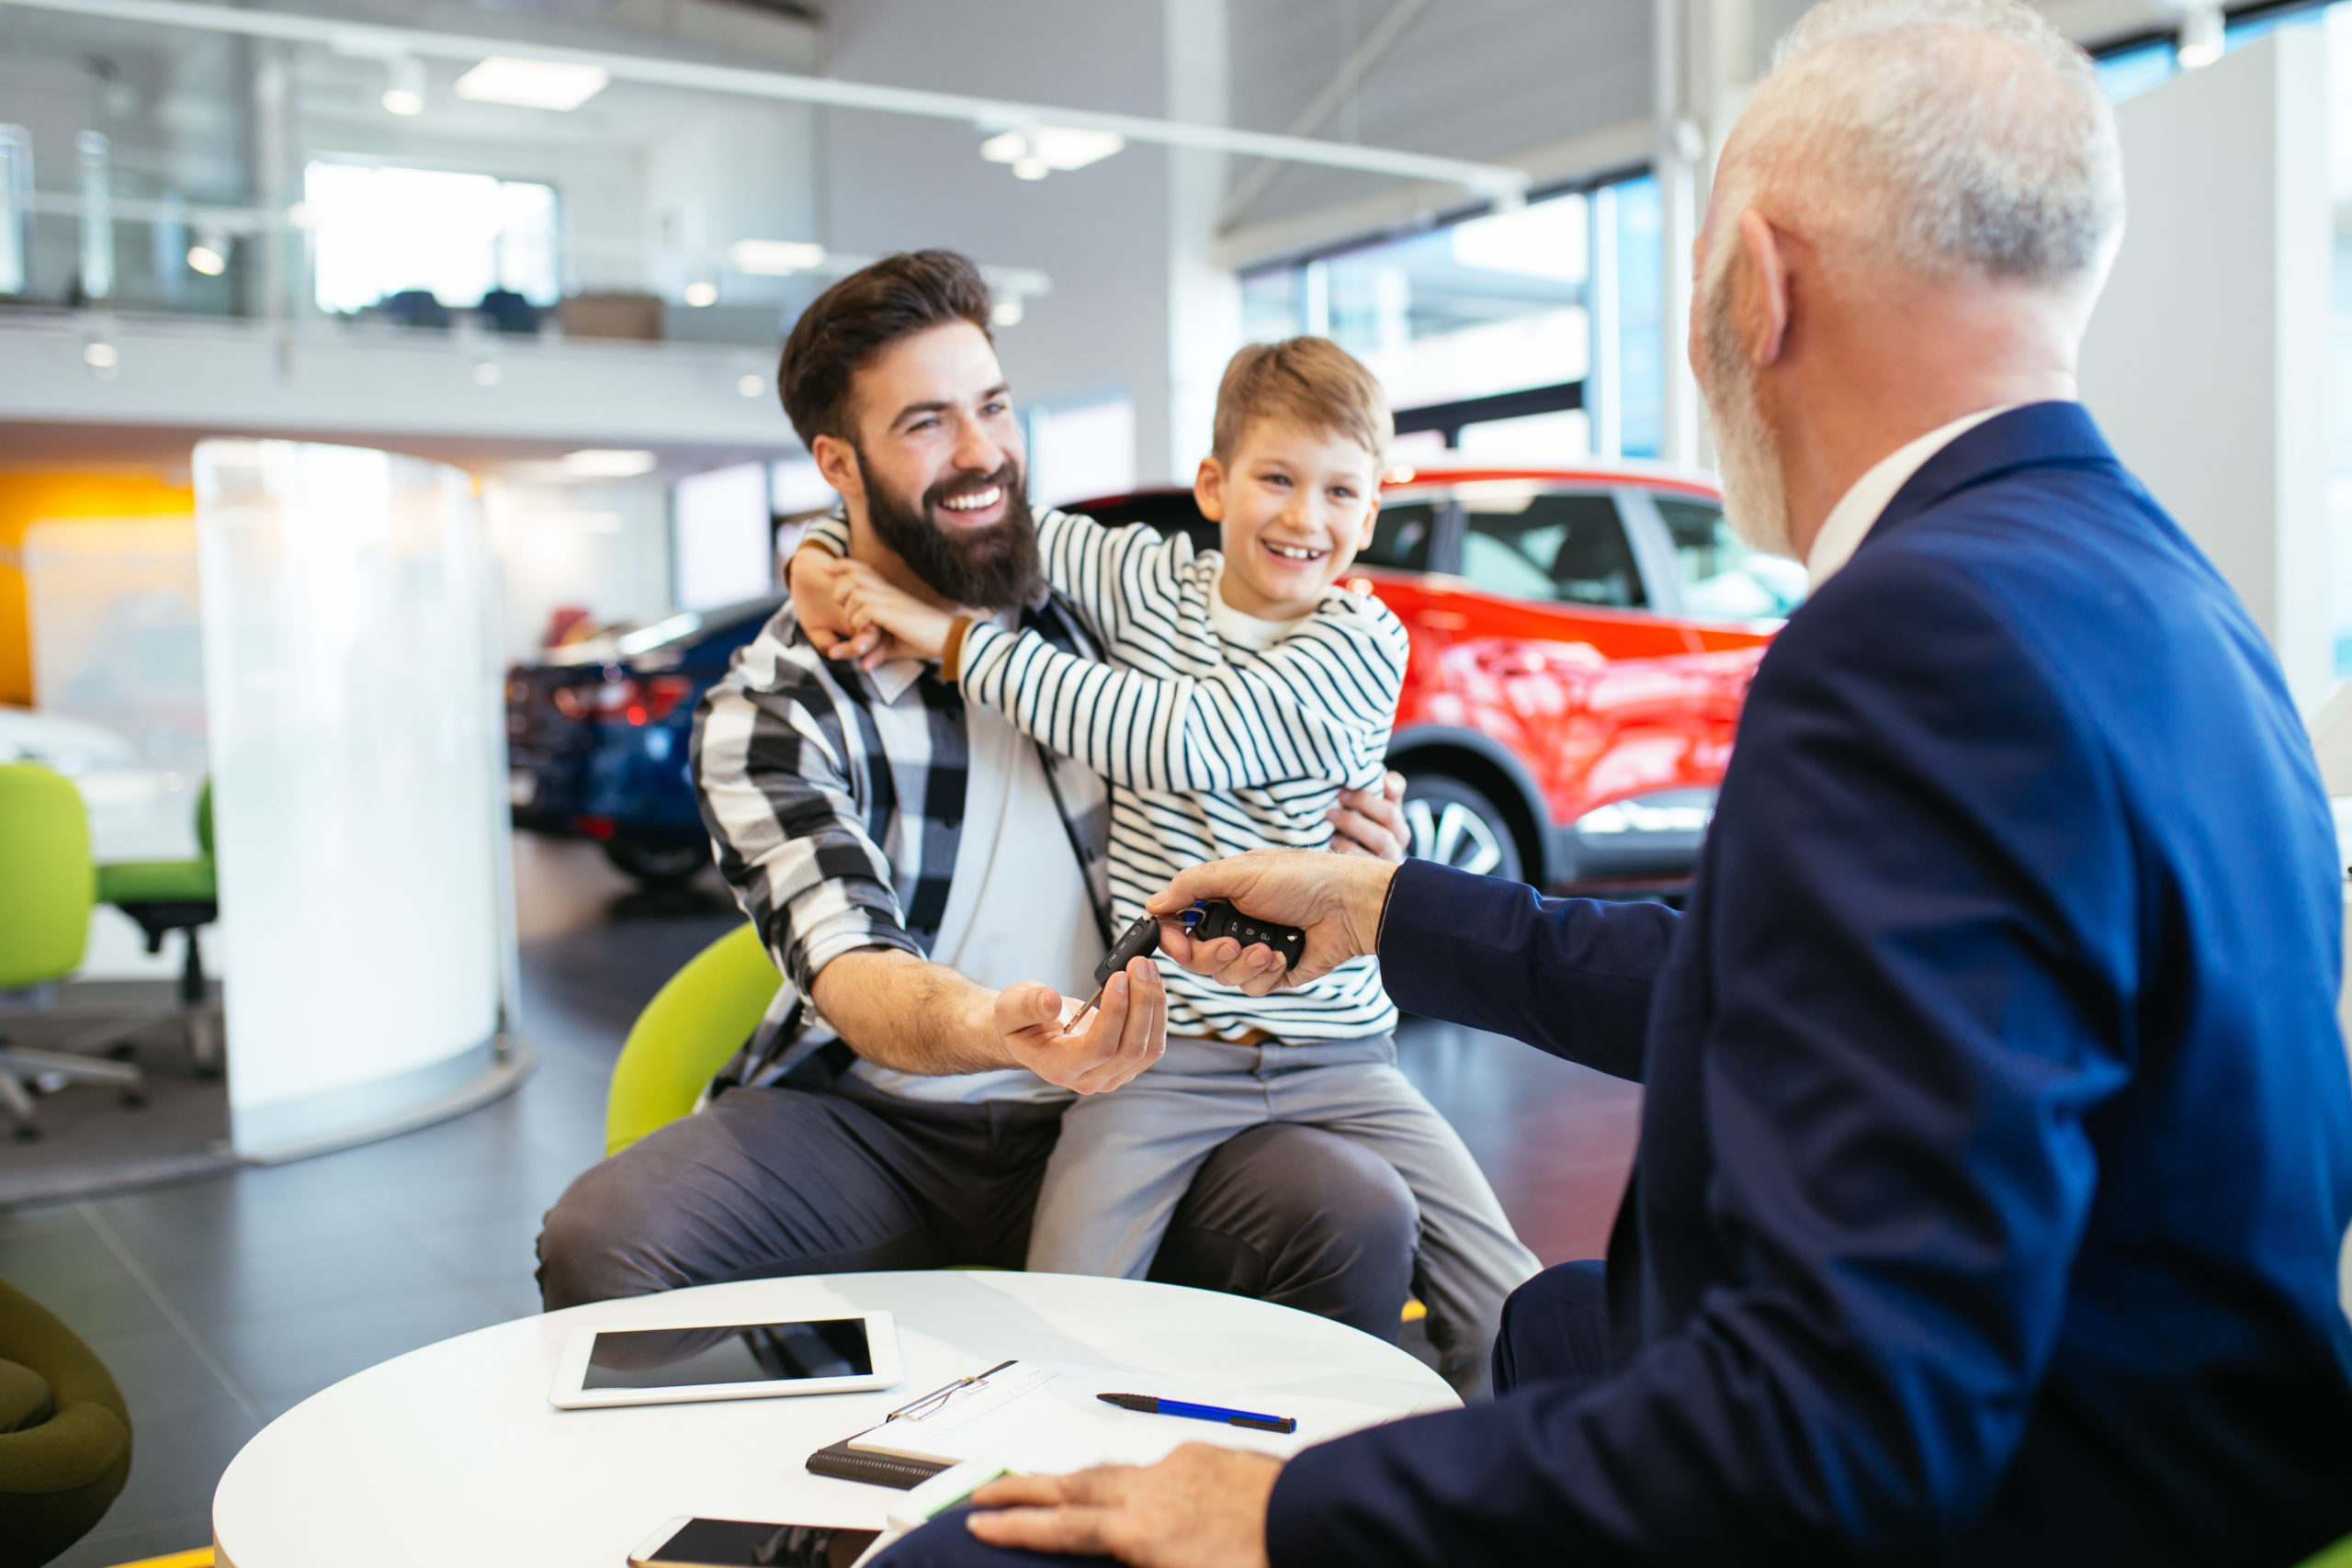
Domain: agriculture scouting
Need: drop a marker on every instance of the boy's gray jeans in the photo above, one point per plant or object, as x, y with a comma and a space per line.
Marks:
765, 1182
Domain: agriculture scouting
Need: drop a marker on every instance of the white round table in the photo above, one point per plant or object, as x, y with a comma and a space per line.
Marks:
452, 1454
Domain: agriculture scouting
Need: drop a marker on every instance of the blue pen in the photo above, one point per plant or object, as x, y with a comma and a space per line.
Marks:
1150, 1405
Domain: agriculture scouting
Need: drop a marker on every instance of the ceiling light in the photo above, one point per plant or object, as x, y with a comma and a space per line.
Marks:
405, 91
100, 355
607, 462
532, 84
1006, 313
1037, 150
487, 373
775, 258
702, 292
751, 385
205, 256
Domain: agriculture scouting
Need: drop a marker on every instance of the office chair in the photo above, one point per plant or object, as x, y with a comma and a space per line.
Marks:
64, 1433
46, 884
698, 1018
165, 895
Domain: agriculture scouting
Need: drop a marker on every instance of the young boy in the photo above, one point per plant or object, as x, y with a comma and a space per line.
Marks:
1240, 691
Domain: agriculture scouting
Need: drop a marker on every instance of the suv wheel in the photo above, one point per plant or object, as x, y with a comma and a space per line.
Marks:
664, 866
1455, 825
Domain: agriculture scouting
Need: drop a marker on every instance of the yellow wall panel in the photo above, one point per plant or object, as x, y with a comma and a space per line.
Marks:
30, 497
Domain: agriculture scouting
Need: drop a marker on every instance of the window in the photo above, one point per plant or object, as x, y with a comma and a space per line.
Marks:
1722, 579
1566, 548
1401, 537
381, 231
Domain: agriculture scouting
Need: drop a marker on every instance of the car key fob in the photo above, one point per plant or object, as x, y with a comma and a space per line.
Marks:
1138, 940
1210, 919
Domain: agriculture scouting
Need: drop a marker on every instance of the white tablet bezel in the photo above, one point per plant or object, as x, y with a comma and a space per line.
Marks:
567, 1393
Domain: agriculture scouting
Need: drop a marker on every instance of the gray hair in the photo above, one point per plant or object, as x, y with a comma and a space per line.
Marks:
1954, 136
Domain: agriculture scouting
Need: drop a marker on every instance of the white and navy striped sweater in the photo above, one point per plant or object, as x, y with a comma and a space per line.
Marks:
1211, 747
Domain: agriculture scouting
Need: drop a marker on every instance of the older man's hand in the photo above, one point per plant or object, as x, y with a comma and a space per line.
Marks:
1200, 1507
1336, 899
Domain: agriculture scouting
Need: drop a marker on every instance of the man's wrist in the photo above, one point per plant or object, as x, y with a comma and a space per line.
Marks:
1368, 906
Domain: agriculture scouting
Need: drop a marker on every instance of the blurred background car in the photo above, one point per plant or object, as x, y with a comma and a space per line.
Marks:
597, 736
1582, 641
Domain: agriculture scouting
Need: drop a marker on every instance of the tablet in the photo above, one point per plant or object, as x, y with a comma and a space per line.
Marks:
662, 1364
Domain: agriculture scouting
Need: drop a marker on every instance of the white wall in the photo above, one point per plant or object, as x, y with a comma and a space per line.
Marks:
2206, 361
604, 547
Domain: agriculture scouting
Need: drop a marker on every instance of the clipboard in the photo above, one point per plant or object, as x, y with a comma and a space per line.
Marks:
882, 1467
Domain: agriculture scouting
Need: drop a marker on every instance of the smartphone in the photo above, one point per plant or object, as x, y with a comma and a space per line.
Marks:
740, 1543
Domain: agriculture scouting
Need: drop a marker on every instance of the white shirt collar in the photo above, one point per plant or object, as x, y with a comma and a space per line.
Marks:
1857, 511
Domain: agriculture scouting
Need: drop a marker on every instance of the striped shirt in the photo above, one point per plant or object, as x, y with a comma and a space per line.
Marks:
1215, 741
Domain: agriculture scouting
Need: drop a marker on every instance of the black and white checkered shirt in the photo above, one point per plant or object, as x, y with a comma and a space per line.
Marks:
835, 802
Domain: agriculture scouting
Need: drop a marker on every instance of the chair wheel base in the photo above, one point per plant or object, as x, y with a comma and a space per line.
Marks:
26, 1132
134, 1099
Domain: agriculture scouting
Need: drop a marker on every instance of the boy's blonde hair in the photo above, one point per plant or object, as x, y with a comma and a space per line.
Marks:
1309, 379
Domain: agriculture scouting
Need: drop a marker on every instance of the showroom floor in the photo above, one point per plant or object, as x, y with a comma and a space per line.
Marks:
224, 1302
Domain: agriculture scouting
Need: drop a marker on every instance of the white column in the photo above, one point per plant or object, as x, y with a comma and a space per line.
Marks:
2206, 363
1204, 298
352, 687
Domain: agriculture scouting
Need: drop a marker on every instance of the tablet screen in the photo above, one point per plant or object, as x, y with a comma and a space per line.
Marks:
736, 1352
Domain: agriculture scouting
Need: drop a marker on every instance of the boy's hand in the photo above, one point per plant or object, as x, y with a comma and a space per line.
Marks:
1128, 1034
1371, 822
808, 576
919, 630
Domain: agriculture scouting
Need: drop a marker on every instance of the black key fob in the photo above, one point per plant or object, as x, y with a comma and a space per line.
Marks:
1210, 919
1138, 940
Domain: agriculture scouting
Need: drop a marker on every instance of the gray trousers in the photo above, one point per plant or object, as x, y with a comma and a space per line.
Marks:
1118, 1176
765, 1182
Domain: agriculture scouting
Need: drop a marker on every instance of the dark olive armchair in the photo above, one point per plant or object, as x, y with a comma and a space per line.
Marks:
64, 1434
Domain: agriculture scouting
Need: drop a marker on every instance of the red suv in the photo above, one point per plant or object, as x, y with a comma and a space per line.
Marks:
1582, 641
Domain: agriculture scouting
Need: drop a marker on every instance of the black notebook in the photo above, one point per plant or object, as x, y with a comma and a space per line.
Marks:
846, 1463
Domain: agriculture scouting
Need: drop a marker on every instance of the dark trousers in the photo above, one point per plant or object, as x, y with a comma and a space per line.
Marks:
1556, 1326
767, 1182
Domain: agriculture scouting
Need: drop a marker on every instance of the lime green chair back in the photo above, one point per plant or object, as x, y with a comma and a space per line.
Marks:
46, 883
204, 818
686, 1033
2336, 1556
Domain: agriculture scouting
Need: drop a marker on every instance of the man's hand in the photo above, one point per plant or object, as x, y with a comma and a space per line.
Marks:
1128, 1034
1336, 899
1200, 1507
870, 602
1371, 822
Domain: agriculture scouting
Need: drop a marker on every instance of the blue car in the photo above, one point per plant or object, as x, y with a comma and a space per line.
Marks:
597, 736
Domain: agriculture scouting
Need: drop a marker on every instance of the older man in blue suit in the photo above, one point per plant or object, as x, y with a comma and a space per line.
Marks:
1997, 1157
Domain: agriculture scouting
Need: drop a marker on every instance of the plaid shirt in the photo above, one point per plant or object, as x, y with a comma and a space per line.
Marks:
835, 802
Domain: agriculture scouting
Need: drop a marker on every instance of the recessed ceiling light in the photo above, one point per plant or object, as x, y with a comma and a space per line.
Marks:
404, 86
400, 101
1006, 312
100, 355
532, 84
775, 258
702, 292
607, 463
1040, 149
751, 385
207, 259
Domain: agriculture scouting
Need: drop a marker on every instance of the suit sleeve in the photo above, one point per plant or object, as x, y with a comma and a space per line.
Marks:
1567, 975
1911, 1010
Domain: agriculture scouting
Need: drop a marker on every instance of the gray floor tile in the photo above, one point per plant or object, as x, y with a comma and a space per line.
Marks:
75, 1275
287, 1358
108, 1545
242, 1286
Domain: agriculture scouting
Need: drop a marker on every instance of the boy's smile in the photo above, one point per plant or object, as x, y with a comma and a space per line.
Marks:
1293, 507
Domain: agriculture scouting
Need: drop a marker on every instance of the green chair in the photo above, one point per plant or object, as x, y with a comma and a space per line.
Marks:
2336, 1556
64, 1433
166, 896
46, 883
685, 1035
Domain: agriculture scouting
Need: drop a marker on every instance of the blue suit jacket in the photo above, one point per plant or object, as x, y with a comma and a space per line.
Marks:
1996, 1153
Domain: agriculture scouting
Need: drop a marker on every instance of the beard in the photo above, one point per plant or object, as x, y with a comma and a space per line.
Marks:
993, 568
1755, 492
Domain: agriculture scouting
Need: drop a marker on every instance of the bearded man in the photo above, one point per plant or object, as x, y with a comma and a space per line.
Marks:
933, 883
1996, 1148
